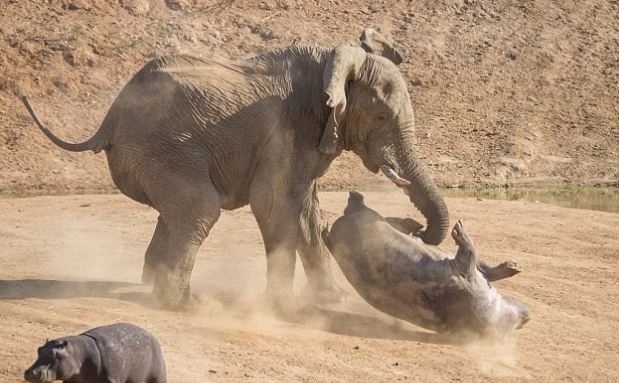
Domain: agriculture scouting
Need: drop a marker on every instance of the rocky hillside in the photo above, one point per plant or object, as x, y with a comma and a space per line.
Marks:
504, 91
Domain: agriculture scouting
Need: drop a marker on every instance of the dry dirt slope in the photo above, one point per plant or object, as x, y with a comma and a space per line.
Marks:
70, 263
505, 91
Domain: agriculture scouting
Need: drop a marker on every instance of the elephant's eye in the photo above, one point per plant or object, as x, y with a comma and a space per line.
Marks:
382, 118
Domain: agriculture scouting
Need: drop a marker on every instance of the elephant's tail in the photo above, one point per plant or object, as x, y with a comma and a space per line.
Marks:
95, 143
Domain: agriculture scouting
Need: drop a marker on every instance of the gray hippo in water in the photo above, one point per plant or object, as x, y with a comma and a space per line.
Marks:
118, 353
401, 276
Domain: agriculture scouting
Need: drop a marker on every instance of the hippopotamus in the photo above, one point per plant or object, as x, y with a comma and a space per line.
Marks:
404, 277
117, 353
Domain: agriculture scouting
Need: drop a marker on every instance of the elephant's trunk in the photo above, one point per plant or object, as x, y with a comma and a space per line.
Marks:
426, 197
422, 191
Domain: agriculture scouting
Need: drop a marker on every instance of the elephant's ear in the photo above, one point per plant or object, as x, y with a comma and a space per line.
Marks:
342, 66
374, 42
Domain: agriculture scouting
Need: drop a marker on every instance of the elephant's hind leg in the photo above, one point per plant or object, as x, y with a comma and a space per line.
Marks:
189, 210
156, 252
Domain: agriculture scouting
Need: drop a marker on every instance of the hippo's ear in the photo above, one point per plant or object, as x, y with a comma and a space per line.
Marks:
64, 343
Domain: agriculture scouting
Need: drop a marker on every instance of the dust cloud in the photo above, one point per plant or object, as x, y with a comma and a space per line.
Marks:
88, 250
497, 358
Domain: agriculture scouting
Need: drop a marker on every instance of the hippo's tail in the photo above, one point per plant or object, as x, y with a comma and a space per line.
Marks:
355, 202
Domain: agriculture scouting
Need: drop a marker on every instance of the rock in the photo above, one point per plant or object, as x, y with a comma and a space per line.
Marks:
61, 83
75, 5
178, 5
136, 7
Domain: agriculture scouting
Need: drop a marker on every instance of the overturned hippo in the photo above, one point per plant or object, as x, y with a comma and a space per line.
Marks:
118, 353
408, 279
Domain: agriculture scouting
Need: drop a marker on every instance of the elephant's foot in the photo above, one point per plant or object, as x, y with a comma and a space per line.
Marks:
325, 294
173, 293
279, 303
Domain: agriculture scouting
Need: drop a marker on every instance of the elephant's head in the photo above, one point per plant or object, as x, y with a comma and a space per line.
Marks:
372, 116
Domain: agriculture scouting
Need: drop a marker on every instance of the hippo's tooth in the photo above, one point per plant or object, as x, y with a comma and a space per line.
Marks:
393, 176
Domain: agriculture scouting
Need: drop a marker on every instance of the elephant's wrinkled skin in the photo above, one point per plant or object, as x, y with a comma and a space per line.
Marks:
191, 136
406, 278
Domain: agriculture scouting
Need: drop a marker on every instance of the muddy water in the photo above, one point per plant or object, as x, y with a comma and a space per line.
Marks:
593, 198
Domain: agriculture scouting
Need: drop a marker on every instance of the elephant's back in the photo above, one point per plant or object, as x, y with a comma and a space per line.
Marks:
179, 91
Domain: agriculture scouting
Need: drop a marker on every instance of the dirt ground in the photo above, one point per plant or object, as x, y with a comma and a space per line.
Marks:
69, 263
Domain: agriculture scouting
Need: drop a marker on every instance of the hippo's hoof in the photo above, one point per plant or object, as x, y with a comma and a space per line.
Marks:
511, 268
502, 271
461, 237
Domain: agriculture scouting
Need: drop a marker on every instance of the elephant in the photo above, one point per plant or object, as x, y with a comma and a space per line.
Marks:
191, 136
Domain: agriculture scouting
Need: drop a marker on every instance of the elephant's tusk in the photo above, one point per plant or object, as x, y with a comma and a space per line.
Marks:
393, 176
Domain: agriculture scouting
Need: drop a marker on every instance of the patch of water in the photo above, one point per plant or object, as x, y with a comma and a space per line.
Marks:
592, 198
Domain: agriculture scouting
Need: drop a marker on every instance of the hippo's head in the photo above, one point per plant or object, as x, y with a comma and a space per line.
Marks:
513, 315
475, 308
53, 363
494, 315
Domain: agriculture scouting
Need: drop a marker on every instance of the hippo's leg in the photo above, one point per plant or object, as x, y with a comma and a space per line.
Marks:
467, 254
502, 271
466, 257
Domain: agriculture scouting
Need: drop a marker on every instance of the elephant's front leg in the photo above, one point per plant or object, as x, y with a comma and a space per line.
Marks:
277, 219
321, 286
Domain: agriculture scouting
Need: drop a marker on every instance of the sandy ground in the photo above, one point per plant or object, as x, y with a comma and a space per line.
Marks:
71, 263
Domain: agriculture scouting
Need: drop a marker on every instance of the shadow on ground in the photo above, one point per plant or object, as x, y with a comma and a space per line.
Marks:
55, 289
363, 326
309, 317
